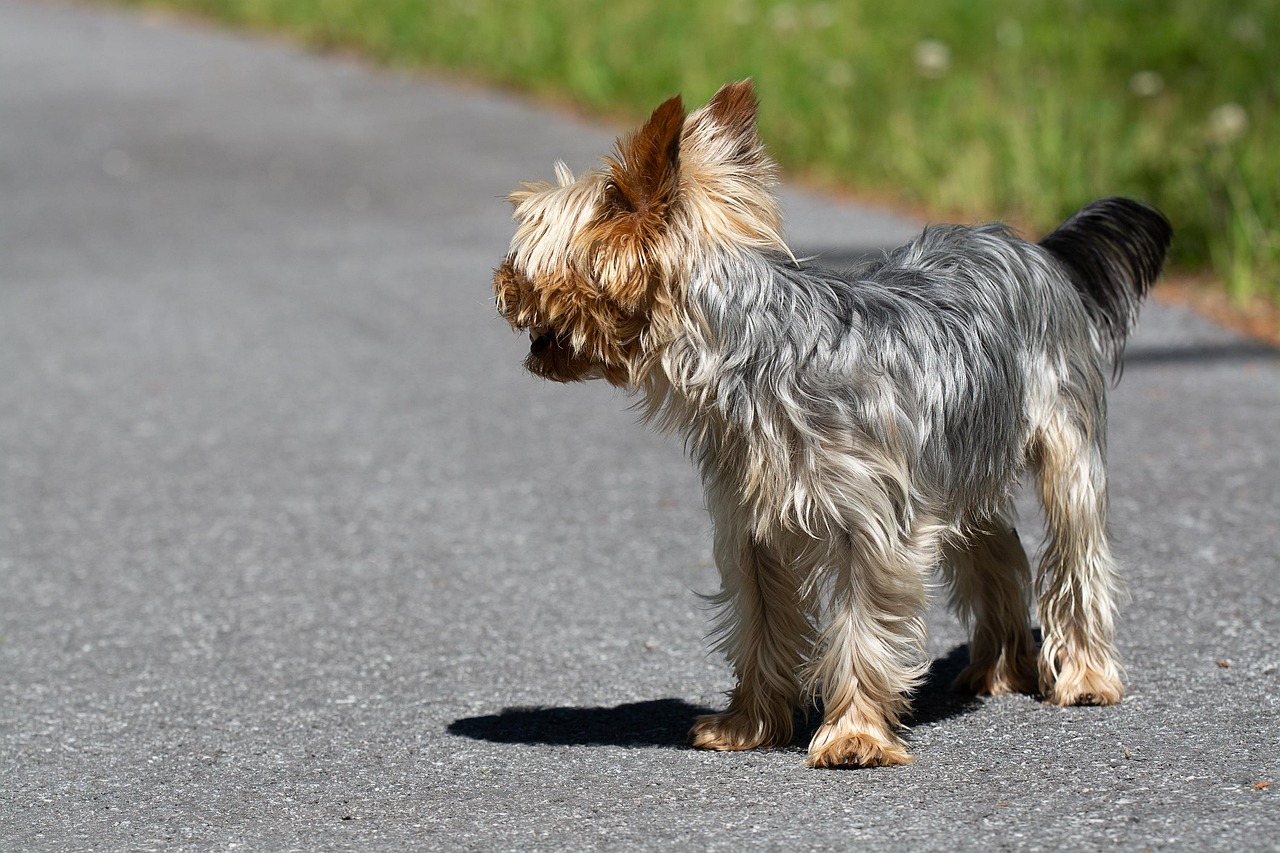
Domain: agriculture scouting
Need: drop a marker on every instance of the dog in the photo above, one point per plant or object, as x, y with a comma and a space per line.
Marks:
854, 432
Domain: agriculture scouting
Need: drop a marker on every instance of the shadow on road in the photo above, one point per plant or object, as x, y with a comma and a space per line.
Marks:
658, 722
935, 701
666, 722
1238, 351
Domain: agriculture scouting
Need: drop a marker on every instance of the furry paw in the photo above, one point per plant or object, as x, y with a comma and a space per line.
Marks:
856, 749
1079, 685
735, 730
996, 679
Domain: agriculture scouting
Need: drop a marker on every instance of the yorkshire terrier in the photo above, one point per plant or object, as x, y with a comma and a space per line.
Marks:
854, 431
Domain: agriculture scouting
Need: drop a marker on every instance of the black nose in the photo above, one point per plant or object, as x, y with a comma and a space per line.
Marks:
541, 344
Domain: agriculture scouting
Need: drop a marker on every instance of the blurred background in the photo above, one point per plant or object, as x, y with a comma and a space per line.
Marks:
1021, 110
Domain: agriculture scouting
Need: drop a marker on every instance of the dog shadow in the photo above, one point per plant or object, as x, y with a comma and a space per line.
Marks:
657, 722
665, 723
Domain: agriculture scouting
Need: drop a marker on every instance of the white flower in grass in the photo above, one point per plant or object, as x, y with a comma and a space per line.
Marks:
1146, 84
840, 74
742, 13
822, 15
785, 18
1228, 123
1009, 34
933, 59
1246, 30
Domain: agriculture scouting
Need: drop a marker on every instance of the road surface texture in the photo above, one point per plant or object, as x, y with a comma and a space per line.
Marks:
293, 556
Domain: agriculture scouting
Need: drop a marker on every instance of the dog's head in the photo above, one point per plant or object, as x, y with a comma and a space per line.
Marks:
597, 268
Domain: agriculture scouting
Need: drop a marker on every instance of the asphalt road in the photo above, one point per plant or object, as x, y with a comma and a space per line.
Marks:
293, 555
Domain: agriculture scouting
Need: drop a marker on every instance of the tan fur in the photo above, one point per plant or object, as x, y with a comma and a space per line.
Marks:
1078, 579
767, 632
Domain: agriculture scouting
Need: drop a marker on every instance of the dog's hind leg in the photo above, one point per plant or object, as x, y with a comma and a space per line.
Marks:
1078, 583
766, 635
990, 581
871, 652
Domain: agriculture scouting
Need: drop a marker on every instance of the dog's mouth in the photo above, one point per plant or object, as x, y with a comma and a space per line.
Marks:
552, 356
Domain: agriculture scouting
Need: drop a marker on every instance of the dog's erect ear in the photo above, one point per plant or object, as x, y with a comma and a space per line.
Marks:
734, 110
725, 129
724, 160
645, 169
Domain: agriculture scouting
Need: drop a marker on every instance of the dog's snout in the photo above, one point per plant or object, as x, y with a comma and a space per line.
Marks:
539, 344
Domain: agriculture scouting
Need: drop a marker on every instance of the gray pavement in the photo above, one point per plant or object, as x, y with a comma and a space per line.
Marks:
294, 557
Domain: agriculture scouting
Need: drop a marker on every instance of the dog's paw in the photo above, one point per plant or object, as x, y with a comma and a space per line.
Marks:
997, 679
1083, 685
857, 749
735, 730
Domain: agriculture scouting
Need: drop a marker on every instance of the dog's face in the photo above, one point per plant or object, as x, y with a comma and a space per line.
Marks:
596, 268
586, 267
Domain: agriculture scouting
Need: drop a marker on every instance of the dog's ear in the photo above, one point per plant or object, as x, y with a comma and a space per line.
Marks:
727, 125
644, 172
734, 109
727, 174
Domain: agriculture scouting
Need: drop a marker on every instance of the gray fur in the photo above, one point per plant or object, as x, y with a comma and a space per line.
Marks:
856, 430
930, 351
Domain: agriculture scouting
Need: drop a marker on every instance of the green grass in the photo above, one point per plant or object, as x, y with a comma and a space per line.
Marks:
1018, 109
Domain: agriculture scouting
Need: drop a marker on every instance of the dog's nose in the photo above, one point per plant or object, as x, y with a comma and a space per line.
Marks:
540, 344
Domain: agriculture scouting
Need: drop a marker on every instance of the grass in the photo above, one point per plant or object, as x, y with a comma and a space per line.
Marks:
1017, 109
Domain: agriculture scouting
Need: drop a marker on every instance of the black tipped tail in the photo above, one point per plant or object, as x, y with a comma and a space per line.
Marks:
1114, 249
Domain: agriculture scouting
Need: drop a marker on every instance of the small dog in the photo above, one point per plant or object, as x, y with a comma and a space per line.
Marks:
853, 431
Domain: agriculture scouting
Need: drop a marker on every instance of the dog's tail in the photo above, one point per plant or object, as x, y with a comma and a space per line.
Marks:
1114, 249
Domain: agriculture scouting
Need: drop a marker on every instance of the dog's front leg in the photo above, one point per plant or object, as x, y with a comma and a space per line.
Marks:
871, 651
765, 633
